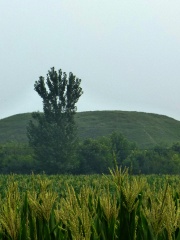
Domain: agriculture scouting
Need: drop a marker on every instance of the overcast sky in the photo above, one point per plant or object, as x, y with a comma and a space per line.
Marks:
126, 52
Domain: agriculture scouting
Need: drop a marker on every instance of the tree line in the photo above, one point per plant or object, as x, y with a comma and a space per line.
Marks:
54, 147
95, 156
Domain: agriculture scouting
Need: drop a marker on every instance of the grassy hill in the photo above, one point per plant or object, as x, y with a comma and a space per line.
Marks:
146, 129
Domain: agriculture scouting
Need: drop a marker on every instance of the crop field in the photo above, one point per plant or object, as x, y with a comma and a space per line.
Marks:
114, 206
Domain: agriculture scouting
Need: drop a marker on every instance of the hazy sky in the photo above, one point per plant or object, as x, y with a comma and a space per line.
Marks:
126, 52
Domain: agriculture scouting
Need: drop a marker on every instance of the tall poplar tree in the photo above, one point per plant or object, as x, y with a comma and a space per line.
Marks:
52, 134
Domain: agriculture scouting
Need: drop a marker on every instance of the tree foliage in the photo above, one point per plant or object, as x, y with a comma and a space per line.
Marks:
16, 158
95, 156
121, 147
52, 134
159, 160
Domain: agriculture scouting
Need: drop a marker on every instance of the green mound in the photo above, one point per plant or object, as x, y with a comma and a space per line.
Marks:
146, 129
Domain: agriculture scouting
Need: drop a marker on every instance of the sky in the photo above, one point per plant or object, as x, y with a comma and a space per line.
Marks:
126, 52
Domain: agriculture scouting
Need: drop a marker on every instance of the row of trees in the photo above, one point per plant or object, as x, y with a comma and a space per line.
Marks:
96, 156
55, 148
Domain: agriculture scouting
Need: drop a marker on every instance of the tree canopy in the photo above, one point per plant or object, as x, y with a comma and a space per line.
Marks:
52, 134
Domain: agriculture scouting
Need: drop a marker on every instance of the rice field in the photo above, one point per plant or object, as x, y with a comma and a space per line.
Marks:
114, 206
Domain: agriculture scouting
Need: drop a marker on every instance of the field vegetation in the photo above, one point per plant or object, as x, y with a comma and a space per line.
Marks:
115, 206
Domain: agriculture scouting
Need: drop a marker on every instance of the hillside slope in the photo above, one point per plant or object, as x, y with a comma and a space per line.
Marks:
146, 129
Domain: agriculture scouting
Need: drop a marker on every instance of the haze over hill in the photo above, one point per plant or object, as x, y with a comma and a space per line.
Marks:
146, 129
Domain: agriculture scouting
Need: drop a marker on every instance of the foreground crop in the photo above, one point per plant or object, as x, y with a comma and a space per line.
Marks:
118, 206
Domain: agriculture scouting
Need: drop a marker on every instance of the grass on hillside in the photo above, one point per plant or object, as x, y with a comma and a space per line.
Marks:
145, 129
